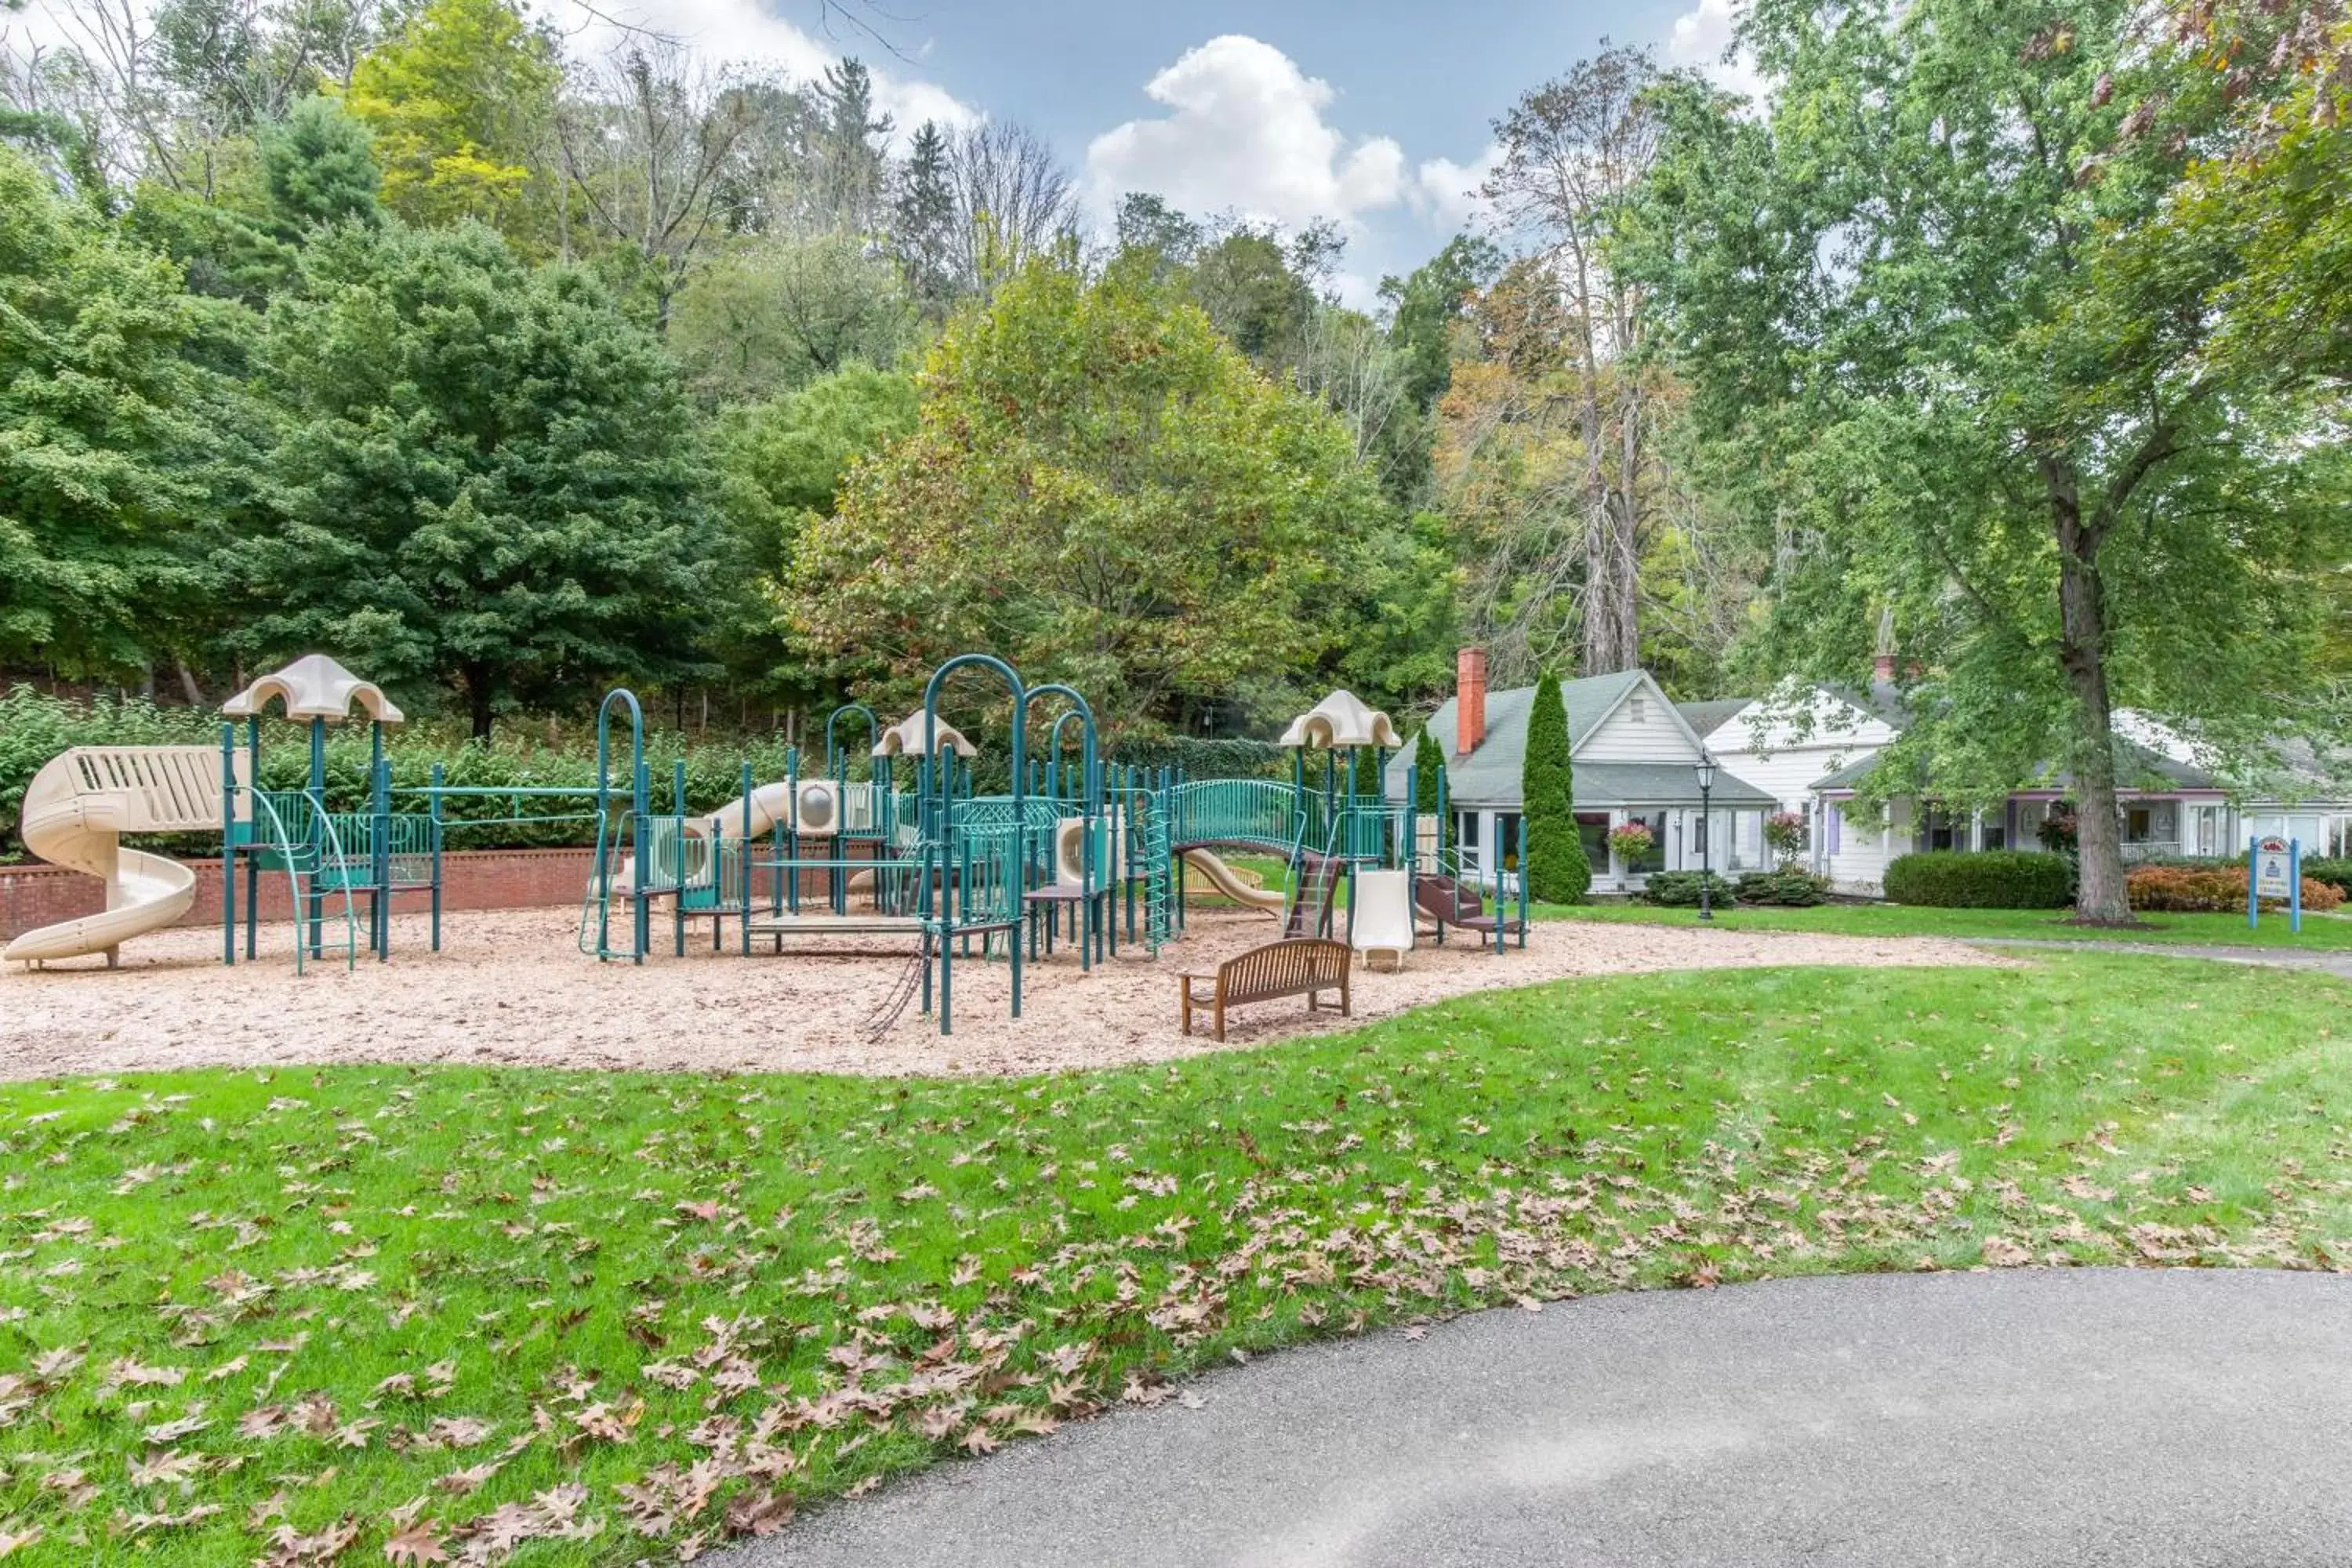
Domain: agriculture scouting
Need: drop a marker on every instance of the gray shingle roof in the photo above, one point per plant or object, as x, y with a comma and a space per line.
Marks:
1490, 775
1600, 786
1705, 718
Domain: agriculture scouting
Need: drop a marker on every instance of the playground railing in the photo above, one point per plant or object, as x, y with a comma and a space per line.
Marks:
1235, 811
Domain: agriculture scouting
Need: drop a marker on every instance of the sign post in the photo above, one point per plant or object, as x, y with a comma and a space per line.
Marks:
2274, 870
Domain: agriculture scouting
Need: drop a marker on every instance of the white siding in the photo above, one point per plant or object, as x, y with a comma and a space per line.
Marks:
1786, 776
1643, 727
1785, 758
1866, 841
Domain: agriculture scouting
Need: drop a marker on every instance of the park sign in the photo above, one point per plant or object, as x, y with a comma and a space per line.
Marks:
2274, 870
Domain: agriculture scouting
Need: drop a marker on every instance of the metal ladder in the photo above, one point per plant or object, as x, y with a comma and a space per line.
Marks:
1158, 883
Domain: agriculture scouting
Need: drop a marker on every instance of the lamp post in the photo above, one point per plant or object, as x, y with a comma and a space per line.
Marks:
1706, 839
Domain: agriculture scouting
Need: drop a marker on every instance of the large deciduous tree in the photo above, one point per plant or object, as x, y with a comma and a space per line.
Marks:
103, 438
781, 464
1572, 155
1944, 379
462, 102
489, 480
1103, 490
772, 315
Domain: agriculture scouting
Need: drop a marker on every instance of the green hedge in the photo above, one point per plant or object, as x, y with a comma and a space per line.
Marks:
2333, 870
1680, 889
35, 727
1790, 888
1990, 880
1206, 759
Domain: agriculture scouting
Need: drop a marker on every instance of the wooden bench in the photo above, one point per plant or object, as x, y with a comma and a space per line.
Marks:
1297, 967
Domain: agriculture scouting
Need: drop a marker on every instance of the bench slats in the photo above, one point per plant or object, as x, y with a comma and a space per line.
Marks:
1297, 966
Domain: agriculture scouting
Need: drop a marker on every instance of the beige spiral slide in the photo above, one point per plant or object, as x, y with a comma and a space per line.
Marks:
76, 811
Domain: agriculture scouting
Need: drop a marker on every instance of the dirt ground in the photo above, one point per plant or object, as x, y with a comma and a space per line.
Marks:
512, 987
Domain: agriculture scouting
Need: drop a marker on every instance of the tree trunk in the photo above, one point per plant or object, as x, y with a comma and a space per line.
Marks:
479, 691
188, 686
2100, 897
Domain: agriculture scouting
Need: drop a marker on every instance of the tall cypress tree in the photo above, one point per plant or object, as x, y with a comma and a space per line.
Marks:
1428, 777
1554, 861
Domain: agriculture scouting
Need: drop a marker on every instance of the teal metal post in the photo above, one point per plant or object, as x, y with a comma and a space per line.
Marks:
229, 843
313, 897
380, 841
436, 777
678, 854
745, 855
252, 865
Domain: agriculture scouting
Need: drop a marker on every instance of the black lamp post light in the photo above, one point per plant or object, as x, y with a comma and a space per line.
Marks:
1706, 839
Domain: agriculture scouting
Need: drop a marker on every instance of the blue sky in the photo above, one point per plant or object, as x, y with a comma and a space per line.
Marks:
1376, 113
1373, 112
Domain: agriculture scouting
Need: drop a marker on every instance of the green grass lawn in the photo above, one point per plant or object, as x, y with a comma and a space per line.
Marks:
371, 1315
2324, 931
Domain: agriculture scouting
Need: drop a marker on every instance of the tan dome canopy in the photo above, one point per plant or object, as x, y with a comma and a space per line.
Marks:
314, 687
904, 738
1341, 721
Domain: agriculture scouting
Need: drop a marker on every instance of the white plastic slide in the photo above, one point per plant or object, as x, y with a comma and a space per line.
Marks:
1228, 881
76, 811
1382, 917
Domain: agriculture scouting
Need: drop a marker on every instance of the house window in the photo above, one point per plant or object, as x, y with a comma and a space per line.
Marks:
2152, 827
1637, 709
1507, 839
1592, 827
1655, 859
1995, 831
1938, 829
1747, 839
1835, 832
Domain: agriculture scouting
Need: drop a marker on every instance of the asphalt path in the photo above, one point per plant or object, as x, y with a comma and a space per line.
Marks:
2081, 1416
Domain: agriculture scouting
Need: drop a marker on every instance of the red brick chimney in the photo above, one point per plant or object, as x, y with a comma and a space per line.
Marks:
1882, 665
1469, 700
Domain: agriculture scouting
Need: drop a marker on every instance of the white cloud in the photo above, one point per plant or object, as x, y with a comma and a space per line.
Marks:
1701, 39
1356, 291
1246, 132
747, 32
1447, 191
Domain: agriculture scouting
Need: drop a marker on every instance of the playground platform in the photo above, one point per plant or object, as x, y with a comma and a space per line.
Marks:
510, 987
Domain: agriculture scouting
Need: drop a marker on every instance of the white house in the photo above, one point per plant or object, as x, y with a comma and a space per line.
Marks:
1632, 758
2173, 800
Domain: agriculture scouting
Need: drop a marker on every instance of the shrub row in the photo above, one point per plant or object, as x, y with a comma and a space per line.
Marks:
2218, 890
35, 727
1680, 889
1987, 879
1790, 888
2336, 871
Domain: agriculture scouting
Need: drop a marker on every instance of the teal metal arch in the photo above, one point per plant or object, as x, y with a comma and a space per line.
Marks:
834, 760
942, 826
1091, 875
1090, 785
640, 794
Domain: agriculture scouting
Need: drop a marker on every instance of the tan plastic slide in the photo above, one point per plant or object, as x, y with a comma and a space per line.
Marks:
76, 811
1228, 881
1383, 918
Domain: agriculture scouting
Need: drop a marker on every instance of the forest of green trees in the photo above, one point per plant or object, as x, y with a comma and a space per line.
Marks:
402, 331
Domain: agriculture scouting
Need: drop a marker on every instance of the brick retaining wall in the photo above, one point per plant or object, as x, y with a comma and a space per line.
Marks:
38, 895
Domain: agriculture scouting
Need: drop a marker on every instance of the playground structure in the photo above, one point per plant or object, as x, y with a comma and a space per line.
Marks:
882, 840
